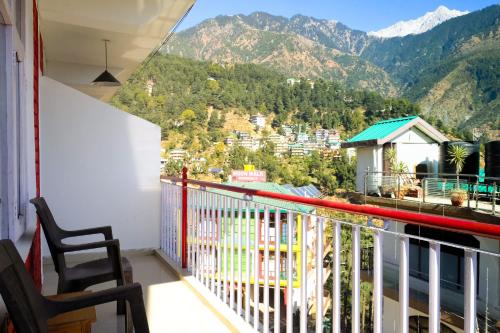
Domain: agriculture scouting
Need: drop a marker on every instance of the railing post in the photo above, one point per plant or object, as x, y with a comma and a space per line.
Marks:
476, 192
378, 291
494, 195
404, 283
356, 281
470, 291
468, 192
184, 217
434, 287
424, 188
336, 277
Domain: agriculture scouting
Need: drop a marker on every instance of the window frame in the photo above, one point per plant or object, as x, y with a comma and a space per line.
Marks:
13, 131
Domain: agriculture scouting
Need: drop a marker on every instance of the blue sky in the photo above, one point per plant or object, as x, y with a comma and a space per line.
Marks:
366, 15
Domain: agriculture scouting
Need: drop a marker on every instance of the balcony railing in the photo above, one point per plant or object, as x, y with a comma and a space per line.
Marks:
482, 193
216, 236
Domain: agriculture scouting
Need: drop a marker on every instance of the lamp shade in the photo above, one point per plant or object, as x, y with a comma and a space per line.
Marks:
106, 79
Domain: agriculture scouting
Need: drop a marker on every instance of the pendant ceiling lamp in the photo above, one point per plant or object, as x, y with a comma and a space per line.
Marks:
106, 79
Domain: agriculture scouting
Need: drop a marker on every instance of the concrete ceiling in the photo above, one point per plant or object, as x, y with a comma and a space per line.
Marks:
73, 30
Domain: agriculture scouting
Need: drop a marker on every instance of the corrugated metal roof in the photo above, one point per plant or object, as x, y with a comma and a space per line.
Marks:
382, 129
265, 186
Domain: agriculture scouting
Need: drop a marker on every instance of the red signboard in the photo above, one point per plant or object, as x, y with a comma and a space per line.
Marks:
248, 176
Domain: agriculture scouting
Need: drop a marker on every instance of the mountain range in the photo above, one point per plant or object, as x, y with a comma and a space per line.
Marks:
452, 69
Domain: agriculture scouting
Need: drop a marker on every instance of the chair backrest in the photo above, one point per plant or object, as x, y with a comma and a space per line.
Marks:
25, 304
52, 232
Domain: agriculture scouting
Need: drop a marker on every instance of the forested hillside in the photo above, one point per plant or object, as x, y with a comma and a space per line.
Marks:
192, 101
180, 84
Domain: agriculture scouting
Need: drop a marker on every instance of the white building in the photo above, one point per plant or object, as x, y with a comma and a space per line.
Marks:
177, 154
229, 141
322, 134
292, 81
302, 137
258, 120
415, 141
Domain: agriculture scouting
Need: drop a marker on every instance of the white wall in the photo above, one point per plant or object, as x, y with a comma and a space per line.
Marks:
367, 157
414, 147
99, 166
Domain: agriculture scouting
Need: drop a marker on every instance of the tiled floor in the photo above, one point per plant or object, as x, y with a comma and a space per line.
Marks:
170, 304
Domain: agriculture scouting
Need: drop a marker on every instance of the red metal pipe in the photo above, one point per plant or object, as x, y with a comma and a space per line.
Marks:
184, 217
426, 220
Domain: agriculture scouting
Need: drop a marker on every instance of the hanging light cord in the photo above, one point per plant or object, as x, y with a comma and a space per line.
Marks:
106, 52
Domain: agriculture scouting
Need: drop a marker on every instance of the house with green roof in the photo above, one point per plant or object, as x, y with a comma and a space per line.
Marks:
415, 141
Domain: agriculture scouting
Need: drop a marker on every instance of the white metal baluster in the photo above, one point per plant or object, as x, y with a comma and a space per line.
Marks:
289, 273
213, 240
189, 218
191, 221
226, 235
175, 222
170, 222
206, 258
303, 275
194, 226
356, 262
179, 225
199, 253
231, 288
173, 240
167, 221
404, 283
277, 278
198, 234
336, 278
203, 237
319, 275
219, 246
256, 265
240, 255
247, 262
470, 263
378, 292
266, 270
162, 216
434, 288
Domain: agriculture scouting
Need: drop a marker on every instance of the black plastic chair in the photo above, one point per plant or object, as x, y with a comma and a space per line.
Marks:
29, 310
81, 276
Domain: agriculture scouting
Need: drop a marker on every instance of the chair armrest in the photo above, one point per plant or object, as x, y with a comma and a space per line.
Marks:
106, 231
131, 293
112, 243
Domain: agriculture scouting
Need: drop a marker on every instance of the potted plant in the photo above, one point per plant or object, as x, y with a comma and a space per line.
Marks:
388, 189
394, 189
400, 169
458, 155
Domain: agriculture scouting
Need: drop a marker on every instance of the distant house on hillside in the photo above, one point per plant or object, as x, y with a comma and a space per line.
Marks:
177, 154
292, 81
258, 120
416, 143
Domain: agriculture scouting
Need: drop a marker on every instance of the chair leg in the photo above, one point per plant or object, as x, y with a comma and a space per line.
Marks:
139, 318
121, 306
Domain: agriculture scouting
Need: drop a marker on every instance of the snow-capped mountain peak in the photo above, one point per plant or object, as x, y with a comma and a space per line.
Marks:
418, 25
